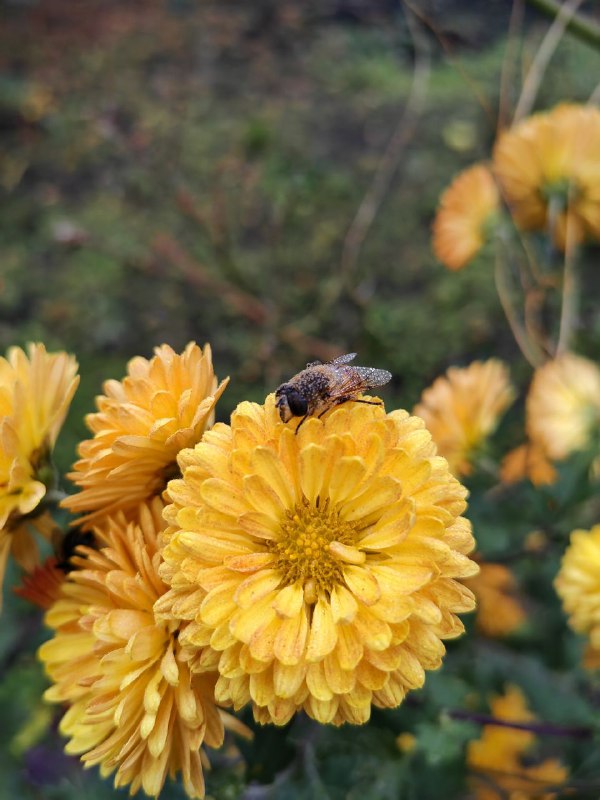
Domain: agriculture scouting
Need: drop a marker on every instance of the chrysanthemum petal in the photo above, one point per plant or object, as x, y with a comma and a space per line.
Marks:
376, 497
343, 604
323, 632
291, 640
362, 583
289, 600
346, 475
256, 587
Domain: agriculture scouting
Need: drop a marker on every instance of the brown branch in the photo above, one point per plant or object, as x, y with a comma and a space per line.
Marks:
197, 275
539, 728
247, 305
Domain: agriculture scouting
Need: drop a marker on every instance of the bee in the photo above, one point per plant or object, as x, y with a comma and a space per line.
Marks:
321, 386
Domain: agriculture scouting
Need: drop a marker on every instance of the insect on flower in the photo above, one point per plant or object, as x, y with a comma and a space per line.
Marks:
321, 386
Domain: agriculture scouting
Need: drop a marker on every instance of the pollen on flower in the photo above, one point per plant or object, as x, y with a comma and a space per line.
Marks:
313, 545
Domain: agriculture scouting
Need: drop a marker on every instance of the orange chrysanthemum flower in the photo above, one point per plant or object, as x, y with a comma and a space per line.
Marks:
499, 611
322, 567
466, 208
528, 460
163, 405
36, 389
462, 408
42, 587
548, 169
563, 405
500, 759
133, 705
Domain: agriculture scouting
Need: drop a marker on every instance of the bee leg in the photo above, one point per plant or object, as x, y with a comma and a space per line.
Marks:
340, 400
337, 402
304, 418
370, 402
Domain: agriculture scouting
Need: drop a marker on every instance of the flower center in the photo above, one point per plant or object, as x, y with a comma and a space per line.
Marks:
313, 545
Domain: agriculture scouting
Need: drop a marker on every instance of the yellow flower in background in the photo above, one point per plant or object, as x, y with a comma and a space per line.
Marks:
501, 761
465, 211
36, 389
553, 159
462, 408
563, 405
499, 611
163, 405
321, 566
528, 460
132, 704
578, 584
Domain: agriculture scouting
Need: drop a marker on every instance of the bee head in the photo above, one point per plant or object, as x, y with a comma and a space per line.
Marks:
290, 403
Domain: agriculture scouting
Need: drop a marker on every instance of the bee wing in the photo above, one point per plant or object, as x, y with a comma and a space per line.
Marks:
371, 377
353, 380
343, 359
339, 360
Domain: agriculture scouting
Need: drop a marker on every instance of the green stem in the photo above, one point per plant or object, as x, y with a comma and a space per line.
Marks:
568, 313
585, 29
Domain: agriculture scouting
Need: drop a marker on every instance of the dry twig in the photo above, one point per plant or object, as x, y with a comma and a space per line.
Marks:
388, 164
244, 303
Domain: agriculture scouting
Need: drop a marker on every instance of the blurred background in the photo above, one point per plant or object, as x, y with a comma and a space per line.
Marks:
258, 175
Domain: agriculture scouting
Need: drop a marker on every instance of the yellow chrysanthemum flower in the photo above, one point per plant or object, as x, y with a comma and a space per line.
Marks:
462, 408
133, 705
552, 161
36, 389
563, 405
578, 583
163, 405
320, 566
466, 209
499, 612
500, 758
